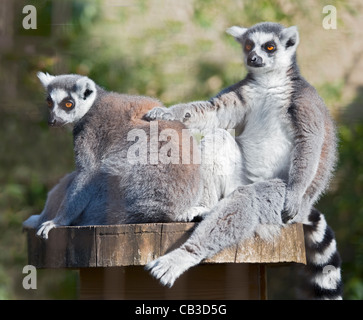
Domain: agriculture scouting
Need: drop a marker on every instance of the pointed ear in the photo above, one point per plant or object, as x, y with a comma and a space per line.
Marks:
45, 78
85, 87
289, 37
236, 32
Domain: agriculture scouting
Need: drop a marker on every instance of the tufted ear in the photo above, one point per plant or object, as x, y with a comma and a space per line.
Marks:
85, 87
45, 78
236, 32
289, 37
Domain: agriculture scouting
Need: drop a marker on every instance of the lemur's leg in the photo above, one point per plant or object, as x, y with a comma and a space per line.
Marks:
54, 200
221, 171
79, 192
234, 219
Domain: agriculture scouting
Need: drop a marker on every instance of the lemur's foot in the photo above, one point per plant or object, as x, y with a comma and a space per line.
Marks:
170, 266
193, 213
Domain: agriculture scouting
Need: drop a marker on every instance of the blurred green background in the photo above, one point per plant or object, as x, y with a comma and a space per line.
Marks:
176, 51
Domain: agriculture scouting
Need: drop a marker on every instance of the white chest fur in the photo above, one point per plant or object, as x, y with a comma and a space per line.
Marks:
267, 136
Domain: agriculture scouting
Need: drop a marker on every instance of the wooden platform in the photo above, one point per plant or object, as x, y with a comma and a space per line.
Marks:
111, 260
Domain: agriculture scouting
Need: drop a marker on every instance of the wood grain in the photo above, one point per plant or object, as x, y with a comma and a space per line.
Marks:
138, 244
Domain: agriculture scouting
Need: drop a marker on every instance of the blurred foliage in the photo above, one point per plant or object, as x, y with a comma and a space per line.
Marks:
344, 206
176, 51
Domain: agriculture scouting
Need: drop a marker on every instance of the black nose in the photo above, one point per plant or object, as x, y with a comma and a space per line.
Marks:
51, 122
254, 60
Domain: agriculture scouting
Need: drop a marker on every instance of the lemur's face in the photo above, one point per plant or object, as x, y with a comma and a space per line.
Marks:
261, 50
266, 46
69, 97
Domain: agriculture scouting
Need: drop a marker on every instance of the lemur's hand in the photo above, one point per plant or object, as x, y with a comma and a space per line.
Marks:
291, 207
159, 113
45, 228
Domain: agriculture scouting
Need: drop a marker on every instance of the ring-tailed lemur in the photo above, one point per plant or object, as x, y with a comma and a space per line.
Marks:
284, 131
107, 187
110, 187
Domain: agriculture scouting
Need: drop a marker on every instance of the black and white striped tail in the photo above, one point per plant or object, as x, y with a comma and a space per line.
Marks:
323, 259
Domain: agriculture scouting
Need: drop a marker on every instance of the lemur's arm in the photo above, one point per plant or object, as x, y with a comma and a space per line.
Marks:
308, 123
225, 111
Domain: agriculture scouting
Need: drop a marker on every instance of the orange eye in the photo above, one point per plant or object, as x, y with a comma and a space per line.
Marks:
248, 47
269, 48
69, 104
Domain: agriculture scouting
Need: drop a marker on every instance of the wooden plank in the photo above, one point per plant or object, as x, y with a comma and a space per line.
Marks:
174, 235
66, 247
138, 244
227, 255
300, 244
125, 245
114, 245
249, 251
289, 246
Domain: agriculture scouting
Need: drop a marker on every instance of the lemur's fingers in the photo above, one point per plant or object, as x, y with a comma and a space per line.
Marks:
156, 113
45, 228
287, 215
291, 207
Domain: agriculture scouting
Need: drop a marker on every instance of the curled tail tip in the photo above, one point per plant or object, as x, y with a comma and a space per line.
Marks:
325, 280
323, 259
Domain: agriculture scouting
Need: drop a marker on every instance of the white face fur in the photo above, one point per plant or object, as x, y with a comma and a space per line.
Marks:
264, 50
69, 97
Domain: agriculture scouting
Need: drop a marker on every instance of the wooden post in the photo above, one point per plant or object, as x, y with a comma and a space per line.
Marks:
111, 260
